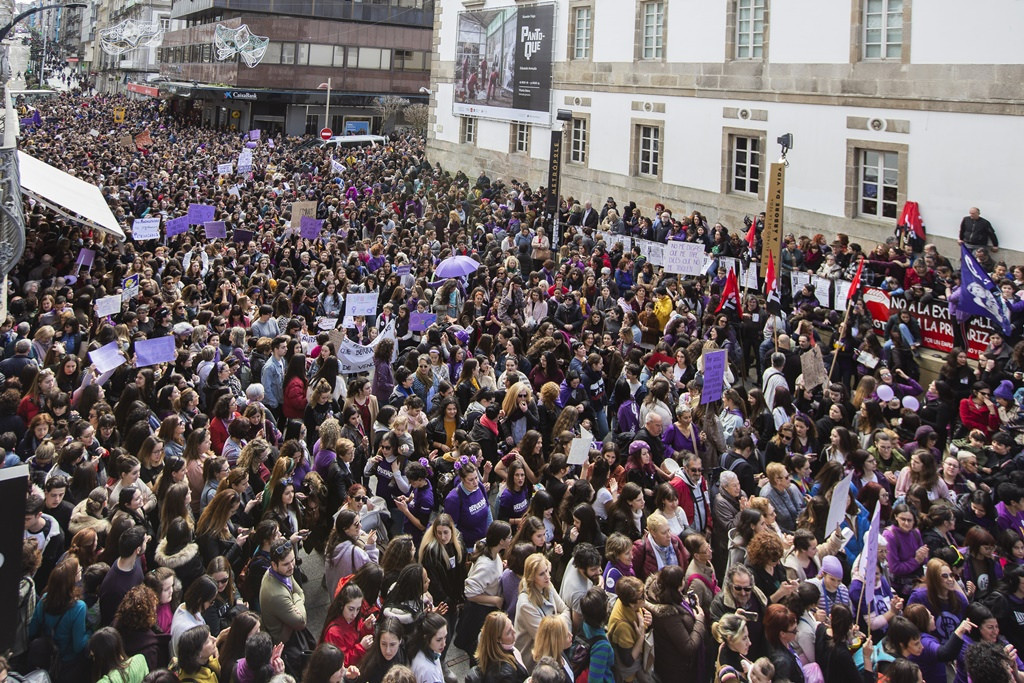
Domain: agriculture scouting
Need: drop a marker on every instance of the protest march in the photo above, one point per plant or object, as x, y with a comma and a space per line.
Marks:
620, 443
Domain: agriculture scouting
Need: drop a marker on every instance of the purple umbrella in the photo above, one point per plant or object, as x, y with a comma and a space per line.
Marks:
456, 266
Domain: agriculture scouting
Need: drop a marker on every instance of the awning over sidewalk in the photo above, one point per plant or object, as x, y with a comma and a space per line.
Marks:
72, 197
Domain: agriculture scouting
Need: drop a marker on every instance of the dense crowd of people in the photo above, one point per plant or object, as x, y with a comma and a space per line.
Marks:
171, 505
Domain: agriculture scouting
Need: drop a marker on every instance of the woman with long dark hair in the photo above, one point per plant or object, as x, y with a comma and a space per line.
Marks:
110, 664
60, 614
386, 651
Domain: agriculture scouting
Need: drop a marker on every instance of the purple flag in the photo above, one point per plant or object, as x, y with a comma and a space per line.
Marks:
310, 228
242, 236
85, 258
870, 564
200, 213
215, 229
250, 144
153, 351
421, 321
404, 269
177, 226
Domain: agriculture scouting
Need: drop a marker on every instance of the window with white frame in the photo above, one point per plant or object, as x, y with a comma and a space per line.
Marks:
883, 29
749, 29
652, 34
746, 164
469, 130
878, 187
648, 150
165, 24
522, 139
582, 30
578, 147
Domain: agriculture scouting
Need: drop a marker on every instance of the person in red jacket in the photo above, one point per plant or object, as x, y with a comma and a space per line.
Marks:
692, 490
978, 411
658, 549
294, 405
345, 627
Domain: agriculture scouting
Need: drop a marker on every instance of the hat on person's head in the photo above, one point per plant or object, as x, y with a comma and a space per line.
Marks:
637, 446
831, 565
1004, 390
182, 328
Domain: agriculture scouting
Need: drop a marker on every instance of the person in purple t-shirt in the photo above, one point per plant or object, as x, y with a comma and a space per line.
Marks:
467, 502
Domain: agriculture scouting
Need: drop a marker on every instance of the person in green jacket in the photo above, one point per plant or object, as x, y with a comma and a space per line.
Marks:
109, 662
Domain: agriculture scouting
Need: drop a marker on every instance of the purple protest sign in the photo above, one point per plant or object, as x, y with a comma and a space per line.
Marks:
250, 145
254, 134
310, 228
215, 230
85, 258
418, 322
714, 376
404, 269
177, 226
242, 236
270, 143
200, 213
153, 351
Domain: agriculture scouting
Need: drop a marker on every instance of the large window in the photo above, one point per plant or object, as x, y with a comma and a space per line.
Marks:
287, 53
312, 124
582, 29
749, 29
746, 164
521, 141
883, 29
878, 187
468, 130
652, 33
369, 58
321, 55
648, 148
578, 146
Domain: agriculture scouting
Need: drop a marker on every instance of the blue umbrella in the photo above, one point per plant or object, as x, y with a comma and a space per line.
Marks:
456, 266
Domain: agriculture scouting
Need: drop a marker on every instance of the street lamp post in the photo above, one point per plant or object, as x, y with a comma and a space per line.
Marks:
29, 12
555, 175
327, 109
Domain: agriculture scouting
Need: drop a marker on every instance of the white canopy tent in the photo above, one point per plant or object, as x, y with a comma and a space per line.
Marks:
69, 196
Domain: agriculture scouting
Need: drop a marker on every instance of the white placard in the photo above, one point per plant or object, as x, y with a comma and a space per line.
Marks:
842, 294
225, 169
684, 258
108, 305
728, 262
146, 229
837, 508
749, 278
822, 289
233, 190
798, 280
579, 450
245, 161
657, 254
361, 304
644, 246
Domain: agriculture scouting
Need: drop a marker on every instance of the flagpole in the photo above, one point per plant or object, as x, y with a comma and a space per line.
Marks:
836, 343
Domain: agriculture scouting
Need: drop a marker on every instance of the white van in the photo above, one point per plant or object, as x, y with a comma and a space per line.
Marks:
355, 141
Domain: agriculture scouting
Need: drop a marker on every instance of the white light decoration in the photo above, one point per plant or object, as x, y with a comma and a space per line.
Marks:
232, 41
129, 34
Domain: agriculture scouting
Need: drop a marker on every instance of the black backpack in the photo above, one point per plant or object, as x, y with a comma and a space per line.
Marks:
43, 652
579, 654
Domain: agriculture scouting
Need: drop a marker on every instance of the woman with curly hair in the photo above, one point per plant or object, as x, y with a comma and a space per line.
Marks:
135, 621
764, 557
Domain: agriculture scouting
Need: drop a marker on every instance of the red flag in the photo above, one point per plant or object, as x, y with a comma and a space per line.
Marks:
770, 279
855, 285
911, 217
731, 291
752, 234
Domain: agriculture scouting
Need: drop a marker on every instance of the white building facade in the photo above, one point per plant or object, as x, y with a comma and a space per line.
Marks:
681, 102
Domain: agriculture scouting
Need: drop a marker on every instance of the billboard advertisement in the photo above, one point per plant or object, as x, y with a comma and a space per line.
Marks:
503, 63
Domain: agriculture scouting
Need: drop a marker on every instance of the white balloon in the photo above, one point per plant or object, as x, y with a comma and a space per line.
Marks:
885, 392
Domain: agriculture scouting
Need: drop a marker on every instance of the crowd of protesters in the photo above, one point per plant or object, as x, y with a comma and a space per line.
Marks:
172, 505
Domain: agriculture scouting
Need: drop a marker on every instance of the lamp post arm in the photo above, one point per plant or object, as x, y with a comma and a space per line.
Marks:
29, 12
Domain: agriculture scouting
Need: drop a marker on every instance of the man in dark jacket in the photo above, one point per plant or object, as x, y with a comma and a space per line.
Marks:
739, 461
651, 435
569, 315
485, 433
976, 232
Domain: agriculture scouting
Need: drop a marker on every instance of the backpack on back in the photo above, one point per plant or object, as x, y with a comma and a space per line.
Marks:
579, 656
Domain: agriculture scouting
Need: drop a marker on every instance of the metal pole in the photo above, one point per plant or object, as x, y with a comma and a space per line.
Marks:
42, 57
327, 109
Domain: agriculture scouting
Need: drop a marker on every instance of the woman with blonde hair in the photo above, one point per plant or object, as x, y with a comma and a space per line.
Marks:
520, 412
37, 397
498, 658
731, 663
537, 599
553, 640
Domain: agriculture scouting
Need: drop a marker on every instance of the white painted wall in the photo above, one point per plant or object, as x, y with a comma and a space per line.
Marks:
949, 32
614, 23
696, 31
810, 31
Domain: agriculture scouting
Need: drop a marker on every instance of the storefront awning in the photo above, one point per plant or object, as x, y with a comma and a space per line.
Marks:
69, 196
